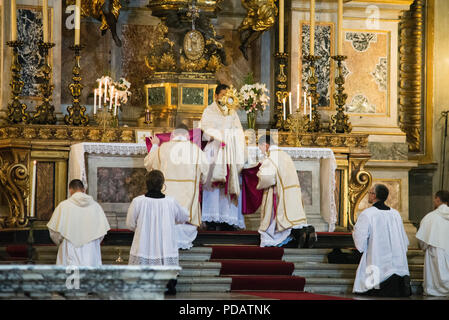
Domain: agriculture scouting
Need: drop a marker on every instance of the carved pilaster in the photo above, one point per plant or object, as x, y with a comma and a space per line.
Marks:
359, 182
14, 184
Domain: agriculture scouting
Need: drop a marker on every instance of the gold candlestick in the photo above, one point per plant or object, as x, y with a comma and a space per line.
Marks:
340, 121
16, 109
45, 112
315, 124
281, 92
76, 111
105, 117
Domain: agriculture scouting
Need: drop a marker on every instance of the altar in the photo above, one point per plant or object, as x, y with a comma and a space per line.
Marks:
115, 174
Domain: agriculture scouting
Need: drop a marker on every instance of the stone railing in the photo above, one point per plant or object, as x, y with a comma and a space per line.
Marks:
105, 282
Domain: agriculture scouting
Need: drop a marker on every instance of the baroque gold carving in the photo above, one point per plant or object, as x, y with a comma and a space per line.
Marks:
359, 182
411, 37
14, 182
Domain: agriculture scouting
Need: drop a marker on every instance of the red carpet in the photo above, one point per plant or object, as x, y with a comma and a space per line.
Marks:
17, 251
246, 252
286, 283
256, 267
292, 295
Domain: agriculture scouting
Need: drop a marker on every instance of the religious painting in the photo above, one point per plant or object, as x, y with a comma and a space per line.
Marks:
30, 32
309, 179
394, 197
324, 48
367, 71
141, 135
120, 185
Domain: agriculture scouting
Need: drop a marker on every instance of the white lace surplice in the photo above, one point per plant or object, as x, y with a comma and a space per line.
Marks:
153, 222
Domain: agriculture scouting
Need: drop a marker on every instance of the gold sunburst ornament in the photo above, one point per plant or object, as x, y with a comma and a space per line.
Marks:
230, 101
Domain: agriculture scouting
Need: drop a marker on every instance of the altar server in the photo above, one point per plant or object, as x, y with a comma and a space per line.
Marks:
152, 217
433, 236
78, 226
379, 233
184, 166
283, 220
226, 149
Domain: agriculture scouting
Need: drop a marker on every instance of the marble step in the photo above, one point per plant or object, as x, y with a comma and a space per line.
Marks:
325, 270
345, 286
203, 284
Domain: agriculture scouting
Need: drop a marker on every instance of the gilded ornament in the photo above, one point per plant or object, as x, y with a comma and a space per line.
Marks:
29, 133
77, 134
127, 136
260, 16
61, 134
94, 135
44, 133
193, 45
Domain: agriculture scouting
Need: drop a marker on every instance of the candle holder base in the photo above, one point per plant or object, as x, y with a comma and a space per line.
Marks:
16, 109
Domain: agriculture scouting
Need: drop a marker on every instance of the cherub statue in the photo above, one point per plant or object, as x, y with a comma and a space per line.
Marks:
106, 11
260, 17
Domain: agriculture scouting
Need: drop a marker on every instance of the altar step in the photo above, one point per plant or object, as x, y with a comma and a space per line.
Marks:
199, 274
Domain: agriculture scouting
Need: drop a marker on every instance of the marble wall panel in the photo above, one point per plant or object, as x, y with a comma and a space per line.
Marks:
238, 67
136, 42
394, 198
367, 71
29, 30
45, 190
324, 32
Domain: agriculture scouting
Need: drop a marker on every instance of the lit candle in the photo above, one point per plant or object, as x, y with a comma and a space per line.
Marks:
290, 102
111, 97
281, 26
33, 189
297, 97
95, 100
147, 115
283, 102
13, 21
45, 19
105, 90
340, 27
305, 102
77, 22
310, 105
312, 27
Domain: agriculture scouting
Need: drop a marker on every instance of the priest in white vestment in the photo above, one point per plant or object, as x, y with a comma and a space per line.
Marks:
283, 220
152, 217
379, 233
433, 236
184, 166
226, 151
78, 226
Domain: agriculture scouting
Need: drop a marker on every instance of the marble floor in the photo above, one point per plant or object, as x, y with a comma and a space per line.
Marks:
238, 296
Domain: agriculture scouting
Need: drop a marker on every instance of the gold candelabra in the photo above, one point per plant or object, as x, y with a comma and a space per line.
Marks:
16, 109
297, 124
45, 113
105, 117
76, 112
313, 125
340, 121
